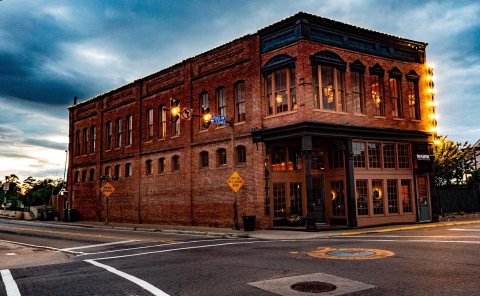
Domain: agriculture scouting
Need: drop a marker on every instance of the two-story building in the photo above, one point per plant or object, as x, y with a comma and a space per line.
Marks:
328, 121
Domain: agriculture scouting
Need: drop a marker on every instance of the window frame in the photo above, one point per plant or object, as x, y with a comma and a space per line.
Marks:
148, 167
413, 99
221, 101
204, 103
271, 91
150, 131
221, 157
204, 161
240, 155
109, 133
175, 165
358, 77
128, 170
239, 98
162, 122
337, 88
129, 123
118, 137
161, 165
395, 87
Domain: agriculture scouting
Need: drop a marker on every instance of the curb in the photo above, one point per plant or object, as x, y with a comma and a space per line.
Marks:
409, 227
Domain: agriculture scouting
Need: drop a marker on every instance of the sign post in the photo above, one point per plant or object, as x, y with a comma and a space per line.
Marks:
107, 189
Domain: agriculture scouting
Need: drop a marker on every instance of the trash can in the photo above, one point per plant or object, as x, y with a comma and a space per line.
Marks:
74, 215
248, 223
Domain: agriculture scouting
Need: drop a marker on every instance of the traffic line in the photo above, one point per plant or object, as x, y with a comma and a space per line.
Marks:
39, 247
464, 229
10, 285
100, 245
145, 285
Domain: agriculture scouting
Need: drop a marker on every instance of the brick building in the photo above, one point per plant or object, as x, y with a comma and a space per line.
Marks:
330, 121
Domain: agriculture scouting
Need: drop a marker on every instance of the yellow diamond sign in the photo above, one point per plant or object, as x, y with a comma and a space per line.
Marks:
235, 181
107, 189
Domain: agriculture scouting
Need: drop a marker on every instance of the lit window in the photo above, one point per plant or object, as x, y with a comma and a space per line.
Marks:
109, 135
162, 127
279, 200
395, 83
239, 101
406, 196
149, 124
118, 143
338, 198
362, 197
358, 93
413, 99
148, 167
204, 160
241, 154
296, 205
377, 89
221, 157
221, 101
203, 104
129, 130
377, 195
281, 95
329, 81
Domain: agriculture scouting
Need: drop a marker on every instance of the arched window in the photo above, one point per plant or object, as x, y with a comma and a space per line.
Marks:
175, 163
279, 73
239, 88
413, 95
148, 167
357, 71
377, 89
117, 171
76, 179
204, 160
241, 154
395, 85
161, 165
84, 176
108, 171
221, 157
92, 175
128, 170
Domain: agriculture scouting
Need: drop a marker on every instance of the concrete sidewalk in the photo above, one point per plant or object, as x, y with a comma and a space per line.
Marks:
293, 234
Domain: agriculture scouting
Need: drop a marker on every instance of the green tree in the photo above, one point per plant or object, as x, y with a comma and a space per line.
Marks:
452, 161
39, 192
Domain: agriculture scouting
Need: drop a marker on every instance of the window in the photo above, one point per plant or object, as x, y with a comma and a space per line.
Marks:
329, 88
294, 159
175, 163
221, 157
77, 177
84, 176
128, 170
221, 101
317, 159
359, 155
129, 130
92, 175
376, 86
335, 158
279, 200
406, 196
239, 101
203, 104
389, 156
117, 171
108, 171
118, 142
279, 158
204, 160
403, 156
377, 194
281, 93
395, 84
149, 124
162, 127
358, 92
413, 99
85, 141
374, 161
392, 195
338, 198
241, 154
93, 139
296, 205
148, 167
161, 165
109, 136
362, 197
77, 143
175, 128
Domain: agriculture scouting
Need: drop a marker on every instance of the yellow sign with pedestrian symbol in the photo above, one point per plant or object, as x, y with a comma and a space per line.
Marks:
235, 181
107, 189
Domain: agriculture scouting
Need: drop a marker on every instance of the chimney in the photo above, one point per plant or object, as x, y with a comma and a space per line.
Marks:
75, 100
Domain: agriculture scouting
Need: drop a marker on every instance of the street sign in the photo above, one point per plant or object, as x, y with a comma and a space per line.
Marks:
235, 181
219, 119
107, 189
6, 186
187, 113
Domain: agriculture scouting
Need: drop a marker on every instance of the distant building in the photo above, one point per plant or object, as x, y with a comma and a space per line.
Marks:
331, 121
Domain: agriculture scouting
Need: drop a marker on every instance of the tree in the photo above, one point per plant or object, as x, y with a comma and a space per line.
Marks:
452, 160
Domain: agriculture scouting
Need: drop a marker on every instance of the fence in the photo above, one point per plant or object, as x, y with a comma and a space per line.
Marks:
458, 199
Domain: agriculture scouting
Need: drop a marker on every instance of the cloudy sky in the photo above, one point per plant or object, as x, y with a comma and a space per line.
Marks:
51, 51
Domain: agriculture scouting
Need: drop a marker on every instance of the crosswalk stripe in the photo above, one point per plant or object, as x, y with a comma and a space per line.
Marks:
9, 282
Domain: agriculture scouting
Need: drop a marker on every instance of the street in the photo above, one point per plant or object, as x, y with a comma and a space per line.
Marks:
429, 261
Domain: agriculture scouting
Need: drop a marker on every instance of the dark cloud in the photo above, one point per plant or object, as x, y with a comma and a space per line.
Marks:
45, 143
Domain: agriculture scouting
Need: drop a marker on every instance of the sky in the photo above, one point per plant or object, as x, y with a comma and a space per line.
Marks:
51, 51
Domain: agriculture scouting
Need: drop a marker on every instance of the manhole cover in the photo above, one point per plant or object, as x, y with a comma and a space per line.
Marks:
313, 287
350, 253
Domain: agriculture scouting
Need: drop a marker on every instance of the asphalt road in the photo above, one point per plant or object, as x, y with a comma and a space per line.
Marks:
435, 261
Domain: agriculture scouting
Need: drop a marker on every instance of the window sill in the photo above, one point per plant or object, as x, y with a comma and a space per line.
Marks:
360, 114
220, 126
203, 131
241, 165
176, 136
279, 114
161, 139
398, 118
221, 167
149, 141
241, 123
330, 111
416, 120
379, 117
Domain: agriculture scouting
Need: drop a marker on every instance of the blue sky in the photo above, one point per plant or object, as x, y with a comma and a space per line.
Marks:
51, 51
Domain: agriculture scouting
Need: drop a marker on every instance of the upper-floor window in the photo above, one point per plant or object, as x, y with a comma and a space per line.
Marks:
389, 161
118, 138
117, 171
128, 170
359, 155
77, 143
149, 124
203, 99
85, 141
395, 86
175, 163
129, 130
148, 167
377, 89
76, 178
329, 81
281, 95
175, 128
92, 175
109, 136
162, 127
241, 154
240, 101
221, 157
161, 165
108, 171
358, 89
413, 95
93, 139
221, 101
403, 153
374, 160
203, 159
84, 176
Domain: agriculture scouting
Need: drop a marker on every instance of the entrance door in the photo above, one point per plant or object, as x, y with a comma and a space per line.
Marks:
319, 199
423, 200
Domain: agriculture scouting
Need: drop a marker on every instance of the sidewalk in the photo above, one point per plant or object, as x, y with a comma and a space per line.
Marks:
261, 234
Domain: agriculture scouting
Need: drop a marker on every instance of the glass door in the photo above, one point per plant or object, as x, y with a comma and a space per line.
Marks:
319, 199
423, 200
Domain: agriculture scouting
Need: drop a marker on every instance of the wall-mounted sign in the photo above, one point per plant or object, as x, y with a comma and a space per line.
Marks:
423, 157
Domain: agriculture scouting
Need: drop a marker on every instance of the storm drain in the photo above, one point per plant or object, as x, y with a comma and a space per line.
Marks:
313, 287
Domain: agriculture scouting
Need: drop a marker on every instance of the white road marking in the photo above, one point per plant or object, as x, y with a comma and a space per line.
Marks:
463, 229
9, 282
100, 245
149, 247
181, 249
38, 246
423, 236
145, 285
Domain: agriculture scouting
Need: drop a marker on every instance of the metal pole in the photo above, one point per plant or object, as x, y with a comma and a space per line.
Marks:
235, 207
106, 218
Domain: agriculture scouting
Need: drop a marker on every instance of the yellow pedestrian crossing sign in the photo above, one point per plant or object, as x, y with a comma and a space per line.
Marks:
107, 189
235, 181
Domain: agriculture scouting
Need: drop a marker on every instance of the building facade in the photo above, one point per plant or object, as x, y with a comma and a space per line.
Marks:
328, 122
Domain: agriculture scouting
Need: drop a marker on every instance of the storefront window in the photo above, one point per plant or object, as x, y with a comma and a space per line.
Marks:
317, 159
377, 195
392, 196
338, 198
296, 205
362, 197
279, 200
406, 196
278, 159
